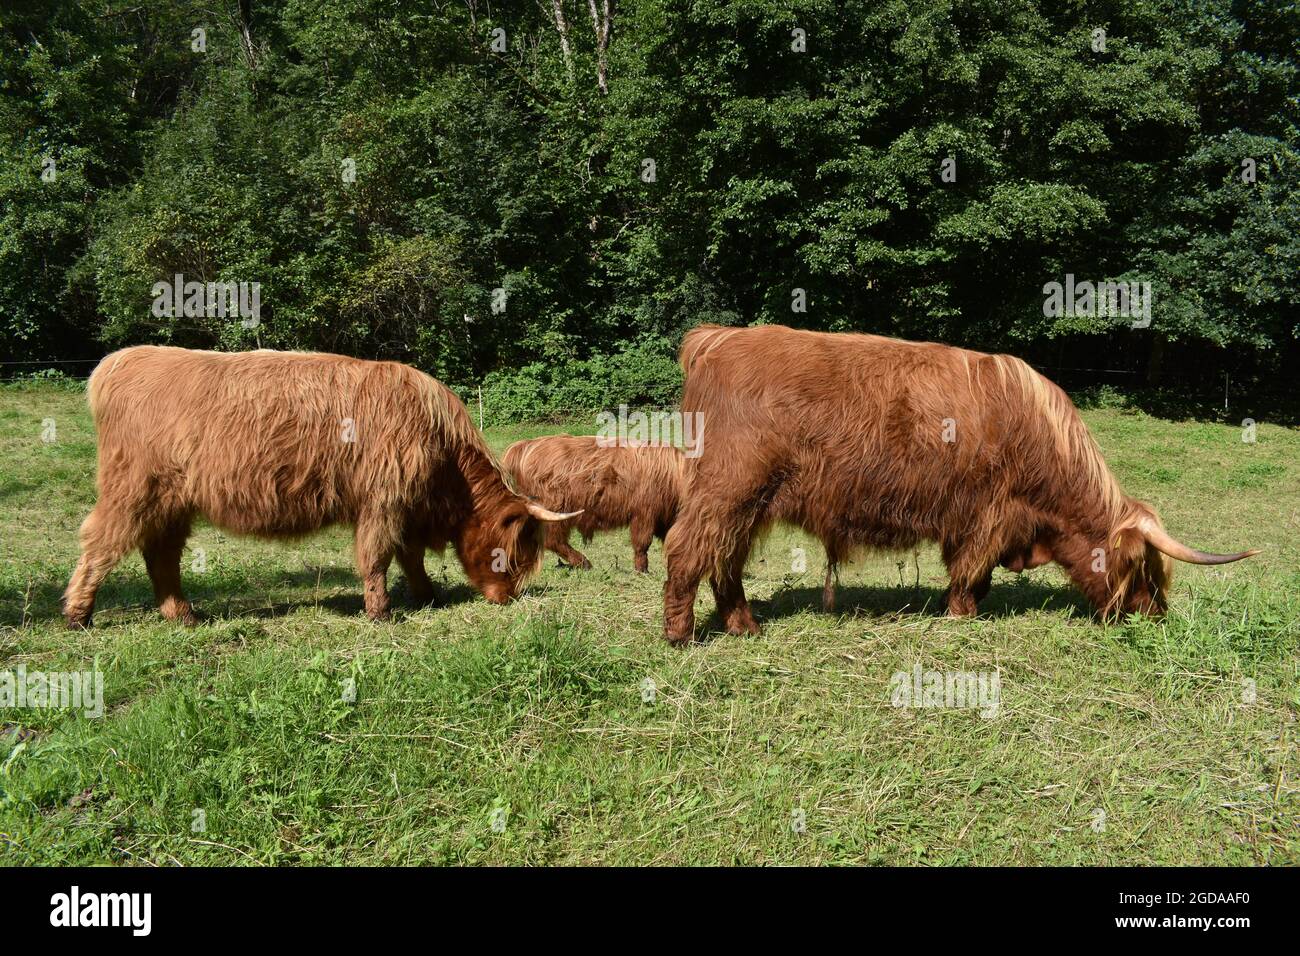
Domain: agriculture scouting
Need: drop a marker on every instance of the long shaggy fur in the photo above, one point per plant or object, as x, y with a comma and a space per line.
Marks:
615, 486
280, 444
871, 442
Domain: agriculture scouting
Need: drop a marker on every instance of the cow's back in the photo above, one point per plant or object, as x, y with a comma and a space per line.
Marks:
895, 436
609, 483
270, 442
798, 387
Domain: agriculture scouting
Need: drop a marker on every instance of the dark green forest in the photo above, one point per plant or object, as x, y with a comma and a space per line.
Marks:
525, 191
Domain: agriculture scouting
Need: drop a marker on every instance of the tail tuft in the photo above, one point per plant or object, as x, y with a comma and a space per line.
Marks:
698, 341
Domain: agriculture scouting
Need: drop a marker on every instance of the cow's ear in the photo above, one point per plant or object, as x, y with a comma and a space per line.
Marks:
514, 517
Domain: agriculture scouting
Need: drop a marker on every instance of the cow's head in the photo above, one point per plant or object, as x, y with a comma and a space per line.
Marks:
1142, 570
501, 547
1125, 570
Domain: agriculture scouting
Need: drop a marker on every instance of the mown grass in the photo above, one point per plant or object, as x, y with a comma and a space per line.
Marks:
1112, 745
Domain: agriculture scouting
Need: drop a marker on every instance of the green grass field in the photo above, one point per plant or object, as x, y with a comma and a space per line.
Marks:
237, 742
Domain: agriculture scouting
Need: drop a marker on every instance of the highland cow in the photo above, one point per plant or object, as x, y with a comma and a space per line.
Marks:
613, 485
870, 442
280, 444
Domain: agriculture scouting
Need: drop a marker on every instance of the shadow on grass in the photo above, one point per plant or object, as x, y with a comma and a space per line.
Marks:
218, 597
17, 489
1005, 600
354, 605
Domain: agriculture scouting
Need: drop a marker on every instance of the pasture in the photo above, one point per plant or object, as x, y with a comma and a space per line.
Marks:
561, 729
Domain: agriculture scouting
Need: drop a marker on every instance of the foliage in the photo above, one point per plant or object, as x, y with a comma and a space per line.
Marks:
488, 162
644, 374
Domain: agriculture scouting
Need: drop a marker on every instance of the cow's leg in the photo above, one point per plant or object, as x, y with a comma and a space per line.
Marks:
108, 534
729, 593
688, 561
832, 570
557, 540
162, 557
375, 545
643, 532
711, 536
410, 556
828, 590
970, 571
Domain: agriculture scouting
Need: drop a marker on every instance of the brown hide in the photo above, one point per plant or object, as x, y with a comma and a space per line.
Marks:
280, 444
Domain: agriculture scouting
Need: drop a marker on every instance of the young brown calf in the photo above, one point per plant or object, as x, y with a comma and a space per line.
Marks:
613, 485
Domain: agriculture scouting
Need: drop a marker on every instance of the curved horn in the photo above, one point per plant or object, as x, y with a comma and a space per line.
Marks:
537, 511
1161, 540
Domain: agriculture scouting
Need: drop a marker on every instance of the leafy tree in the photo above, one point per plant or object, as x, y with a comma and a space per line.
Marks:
556, 183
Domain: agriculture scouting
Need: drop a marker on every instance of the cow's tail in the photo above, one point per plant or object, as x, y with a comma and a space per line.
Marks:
514, 456
697, 342
97, 393
514, 464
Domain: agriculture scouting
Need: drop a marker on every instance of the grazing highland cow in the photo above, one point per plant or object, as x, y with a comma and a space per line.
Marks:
279, 444
613, 485
866, 441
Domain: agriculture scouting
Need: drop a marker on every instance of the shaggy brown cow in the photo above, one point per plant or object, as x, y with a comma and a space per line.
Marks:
279, 444
613, 485
866, 441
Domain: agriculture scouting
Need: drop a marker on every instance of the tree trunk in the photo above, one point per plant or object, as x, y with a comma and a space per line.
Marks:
1156, 360
601, 22
562, 27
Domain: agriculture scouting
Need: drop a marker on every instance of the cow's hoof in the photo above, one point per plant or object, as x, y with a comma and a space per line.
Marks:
77, 622
741, 622
182, 614
678, 640
961, 603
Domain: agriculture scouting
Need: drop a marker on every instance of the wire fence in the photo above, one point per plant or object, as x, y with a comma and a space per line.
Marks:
482, 411
472, 396
46, 363
40, 364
